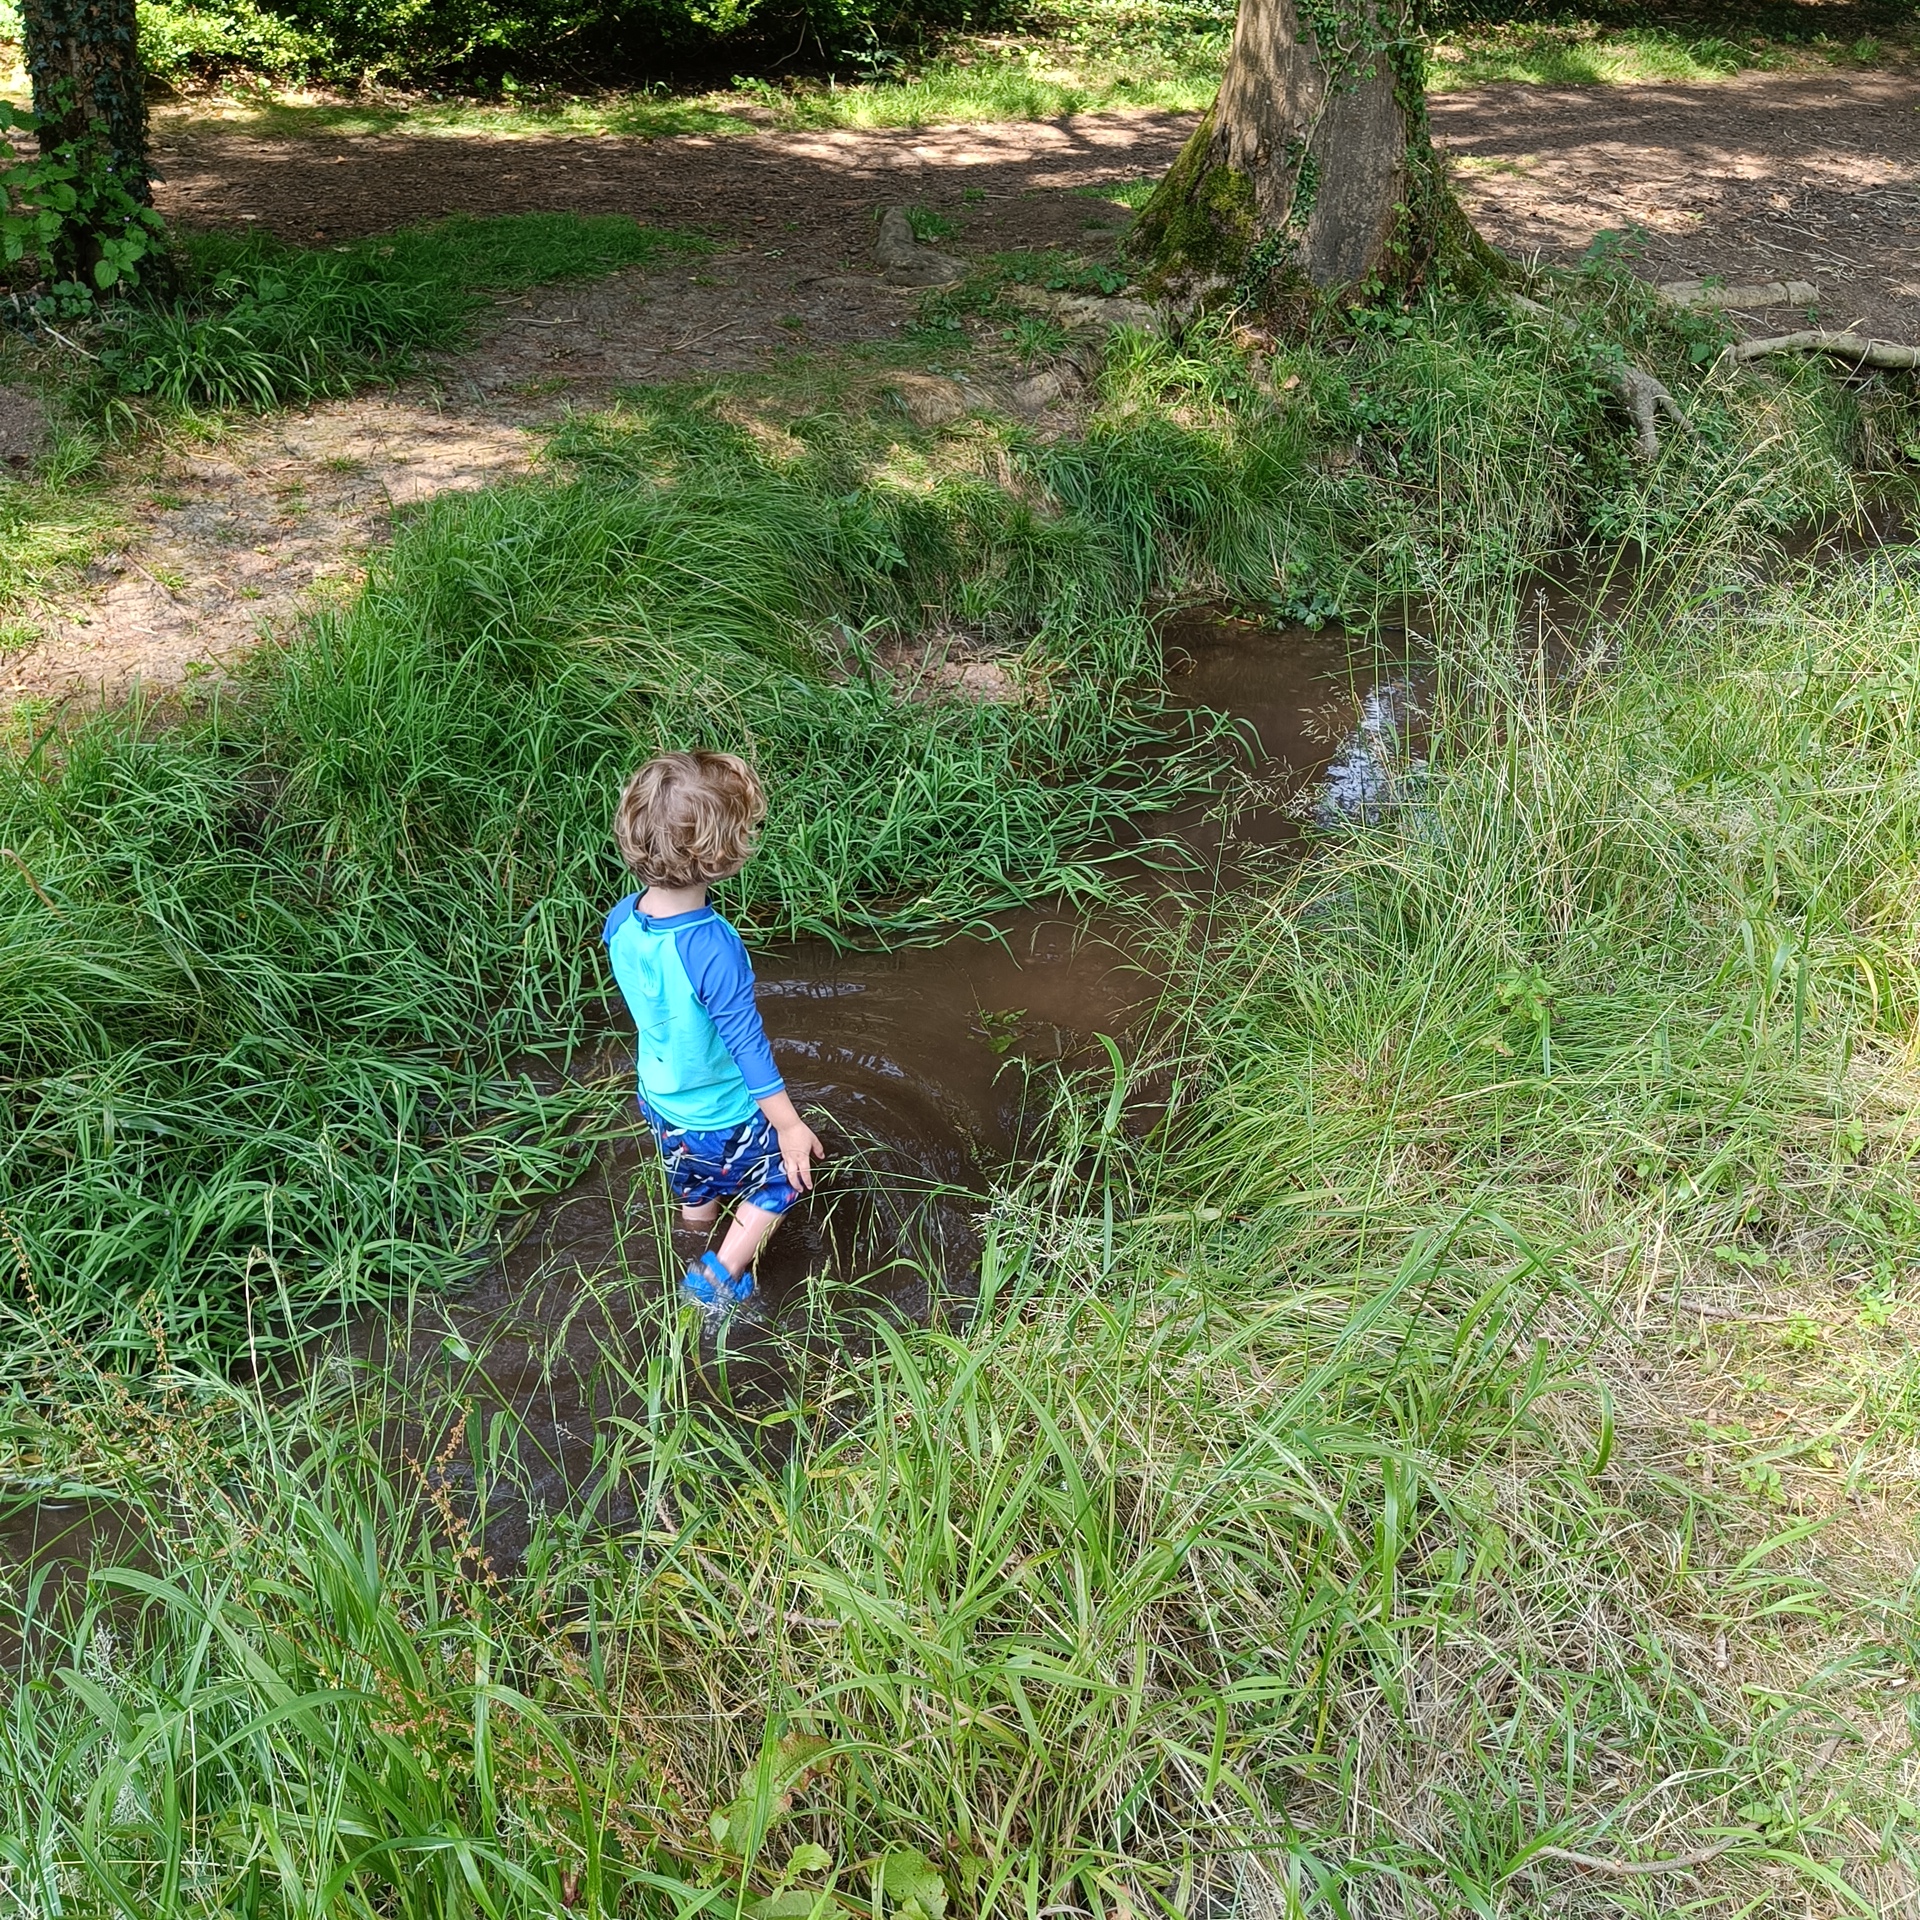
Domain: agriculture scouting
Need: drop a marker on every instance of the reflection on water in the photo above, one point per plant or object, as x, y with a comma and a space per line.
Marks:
916, 1067
1373, 767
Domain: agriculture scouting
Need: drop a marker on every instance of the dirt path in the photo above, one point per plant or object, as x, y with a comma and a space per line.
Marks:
756, 188
229, 542
1813, 177
234, 539
1765, 177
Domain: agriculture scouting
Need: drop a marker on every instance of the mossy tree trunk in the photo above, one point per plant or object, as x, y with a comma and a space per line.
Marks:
83, 57
1313, 172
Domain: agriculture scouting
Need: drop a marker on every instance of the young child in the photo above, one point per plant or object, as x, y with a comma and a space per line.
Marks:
708, 1085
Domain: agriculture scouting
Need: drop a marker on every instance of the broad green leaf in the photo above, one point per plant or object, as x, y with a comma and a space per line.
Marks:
909, 1879
797, 1903
766, 1791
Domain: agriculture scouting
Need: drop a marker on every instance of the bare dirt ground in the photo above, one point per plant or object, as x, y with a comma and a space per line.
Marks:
1766, 177
230, 541
236, 538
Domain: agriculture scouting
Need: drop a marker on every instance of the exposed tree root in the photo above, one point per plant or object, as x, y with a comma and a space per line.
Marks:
1644, 397
905, 261
1702, 298
1853, 347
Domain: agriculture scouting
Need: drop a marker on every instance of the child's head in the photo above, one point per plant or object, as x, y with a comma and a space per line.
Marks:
685, 818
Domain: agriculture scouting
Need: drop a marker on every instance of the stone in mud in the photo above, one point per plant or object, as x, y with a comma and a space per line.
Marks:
1082, 310
929, 400
1039, 392
950, 669
905, 262
989, 681
23, 427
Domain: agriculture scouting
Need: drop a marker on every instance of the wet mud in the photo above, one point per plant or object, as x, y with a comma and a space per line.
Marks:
923, 1069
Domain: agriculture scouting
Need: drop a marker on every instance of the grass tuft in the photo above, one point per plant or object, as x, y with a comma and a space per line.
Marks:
259, 324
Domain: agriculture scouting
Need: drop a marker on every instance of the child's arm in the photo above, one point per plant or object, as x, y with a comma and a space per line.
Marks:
723, 978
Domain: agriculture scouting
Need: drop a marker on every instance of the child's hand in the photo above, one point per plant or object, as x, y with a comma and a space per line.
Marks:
799, 1145
799, 1148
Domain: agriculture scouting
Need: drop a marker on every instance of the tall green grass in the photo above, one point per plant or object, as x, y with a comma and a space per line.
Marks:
52, 521
291, 967
1451, 449
1283, 1529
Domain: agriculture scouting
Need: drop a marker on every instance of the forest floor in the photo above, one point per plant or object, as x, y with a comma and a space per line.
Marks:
1765, 176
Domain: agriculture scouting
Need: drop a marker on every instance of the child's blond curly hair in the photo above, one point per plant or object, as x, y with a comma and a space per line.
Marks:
688, 817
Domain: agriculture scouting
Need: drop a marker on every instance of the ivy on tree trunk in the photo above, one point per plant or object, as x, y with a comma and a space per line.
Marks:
1314, 171
83, 57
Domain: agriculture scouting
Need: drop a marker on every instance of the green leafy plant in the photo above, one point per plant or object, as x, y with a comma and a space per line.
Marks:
1060, 272
182, 40
67, 213
929, 226
1036, 336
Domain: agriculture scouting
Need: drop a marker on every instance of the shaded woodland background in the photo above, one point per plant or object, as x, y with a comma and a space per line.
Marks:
516, 44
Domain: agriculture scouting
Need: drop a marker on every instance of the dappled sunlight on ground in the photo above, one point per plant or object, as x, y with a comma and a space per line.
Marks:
1759, 177
1756, 177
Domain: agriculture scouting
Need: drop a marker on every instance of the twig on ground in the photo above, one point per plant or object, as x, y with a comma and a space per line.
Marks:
1715, 1310
172, 593
695, 339
1856, 347
65, 342
26, 872
1676, 1863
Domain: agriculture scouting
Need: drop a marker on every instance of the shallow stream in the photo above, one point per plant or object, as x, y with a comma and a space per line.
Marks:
916, 1065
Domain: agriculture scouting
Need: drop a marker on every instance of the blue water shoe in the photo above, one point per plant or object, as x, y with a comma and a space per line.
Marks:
709, 1282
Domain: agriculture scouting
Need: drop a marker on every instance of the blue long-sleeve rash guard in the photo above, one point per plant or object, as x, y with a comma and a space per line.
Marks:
703, 1058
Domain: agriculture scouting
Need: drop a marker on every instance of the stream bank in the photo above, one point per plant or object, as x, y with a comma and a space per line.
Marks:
925, 1067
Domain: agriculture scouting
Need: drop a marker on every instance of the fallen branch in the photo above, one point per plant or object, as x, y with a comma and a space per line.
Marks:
1842, 346
171, 593
1678, 1863
65, 342
1644, 397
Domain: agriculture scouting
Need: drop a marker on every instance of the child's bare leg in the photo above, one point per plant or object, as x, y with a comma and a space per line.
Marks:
703, 1215
746, 1235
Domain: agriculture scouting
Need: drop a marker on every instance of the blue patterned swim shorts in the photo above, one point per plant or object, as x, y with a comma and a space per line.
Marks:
736, 1163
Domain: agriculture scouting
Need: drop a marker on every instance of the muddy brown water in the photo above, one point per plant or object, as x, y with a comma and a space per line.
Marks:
923, 1068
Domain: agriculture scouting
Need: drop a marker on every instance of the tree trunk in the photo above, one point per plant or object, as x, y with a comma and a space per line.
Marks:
88, 93
1313, 173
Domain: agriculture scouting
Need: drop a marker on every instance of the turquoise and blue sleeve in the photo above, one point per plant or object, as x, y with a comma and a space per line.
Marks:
715, 958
